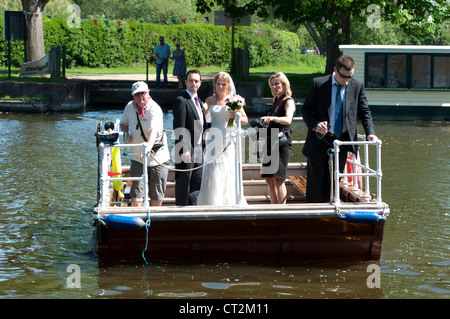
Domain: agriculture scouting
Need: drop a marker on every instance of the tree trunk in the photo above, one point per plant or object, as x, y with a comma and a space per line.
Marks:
34, 46
316, 37
339, 34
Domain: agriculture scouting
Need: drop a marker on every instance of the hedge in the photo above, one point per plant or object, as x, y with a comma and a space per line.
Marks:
114, 45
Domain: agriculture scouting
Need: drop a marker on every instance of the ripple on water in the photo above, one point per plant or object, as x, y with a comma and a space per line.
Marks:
48, 173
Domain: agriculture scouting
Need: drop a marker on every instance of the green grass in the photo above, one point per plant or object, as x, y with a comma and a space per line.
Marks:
299, 74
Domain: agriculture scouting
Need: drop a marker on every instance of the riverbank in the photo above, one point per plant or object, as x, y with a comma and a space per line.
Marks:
80, 93
60, 97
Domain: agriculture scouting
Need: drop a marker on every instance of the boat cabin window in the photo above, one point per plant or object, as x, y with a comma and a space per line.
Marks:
442, 72
421, 71
406, 71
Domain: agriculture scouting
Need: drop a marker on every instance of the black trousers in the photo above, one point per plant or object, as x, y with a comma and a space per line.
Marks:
318, 178
187, 184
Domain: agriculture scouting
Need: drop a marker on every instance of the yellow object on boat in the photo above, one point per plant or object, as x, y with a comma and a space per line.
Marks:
116, 167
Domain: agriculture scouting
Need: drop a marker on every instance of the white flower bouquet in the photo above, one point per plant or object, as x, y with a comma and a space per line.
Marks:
234, 103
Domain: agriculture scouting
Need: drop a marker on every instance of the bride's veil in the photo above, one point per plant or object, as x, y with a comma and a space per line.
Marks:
233, 88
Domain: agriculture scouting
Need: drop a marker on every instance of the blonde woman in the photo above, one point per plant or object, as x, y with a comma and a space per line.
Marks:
279, 121
218, 180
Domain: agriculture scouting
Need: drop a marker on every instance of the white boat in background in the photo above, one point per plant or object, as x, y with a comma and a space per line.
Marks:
404, 81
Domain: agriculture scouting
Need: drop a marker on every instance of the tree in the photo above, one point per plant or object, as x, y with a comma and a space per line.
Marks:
147, 10
35, 48
415, 17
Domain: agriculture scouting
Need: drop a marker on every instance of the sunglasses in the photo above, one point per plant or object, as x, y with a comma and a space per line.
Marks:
344, 76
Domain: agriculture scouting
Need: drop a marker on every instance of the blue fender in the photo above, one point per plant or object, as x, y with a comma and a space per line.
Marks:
361, 217
123, 222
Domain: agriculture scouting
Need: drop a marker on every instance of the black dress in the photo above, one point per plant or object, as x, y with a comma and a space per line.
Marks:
284, 150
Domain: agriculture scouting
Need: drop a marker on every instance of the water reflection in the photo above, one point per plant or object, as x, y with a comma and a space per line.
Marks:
48, 166
311, 281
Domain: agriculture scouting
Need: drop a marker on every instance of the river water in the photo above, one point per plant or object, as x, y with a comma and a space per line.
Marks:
48, 176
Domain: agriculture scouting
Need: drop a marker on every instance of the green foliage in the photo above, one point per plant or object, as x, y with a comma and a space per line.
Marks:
146, 10
114, 45
268, 46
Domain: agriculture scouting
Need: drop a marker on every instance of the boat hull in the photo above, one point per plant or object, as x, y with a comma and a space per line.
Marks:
262, 237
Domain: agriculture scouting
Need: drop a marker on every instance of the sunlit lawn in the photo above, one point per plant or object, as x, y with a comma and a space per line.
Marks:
299, 74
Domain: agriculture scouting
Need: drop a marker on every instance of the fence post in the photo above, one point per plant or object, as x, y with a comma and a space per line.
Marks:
53, 63
55, 57
63, 66
146, 79
241, 62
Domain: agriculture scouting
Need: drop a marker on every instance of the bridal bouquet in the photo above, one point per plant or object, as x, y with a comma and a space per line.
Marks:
234, 102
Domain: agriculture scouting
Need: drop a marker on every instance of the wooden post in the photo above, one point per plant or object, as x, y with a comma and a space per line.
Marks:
233, 53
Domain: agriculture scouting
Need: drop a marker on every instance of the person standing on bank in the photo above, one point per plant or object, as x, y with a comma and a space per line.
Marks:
279, 119
330, 111
142, 121
179, 67
162, 53
189, 123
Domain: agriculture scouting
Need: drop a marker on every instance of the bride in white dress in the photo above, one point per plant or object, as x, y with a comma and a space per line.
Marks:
219, 178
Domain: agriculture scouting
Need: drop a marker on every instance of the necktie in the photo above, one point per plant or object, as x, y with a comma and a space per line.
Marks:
197, 103
339, 109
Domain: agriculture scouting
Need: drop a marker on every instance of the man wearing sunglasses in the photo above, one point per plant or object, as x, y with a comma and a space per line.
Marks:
330, 111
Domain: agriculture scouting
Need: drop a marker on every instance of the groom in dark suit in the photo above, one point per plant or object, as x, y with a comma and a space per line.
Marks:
189, 124
330, 111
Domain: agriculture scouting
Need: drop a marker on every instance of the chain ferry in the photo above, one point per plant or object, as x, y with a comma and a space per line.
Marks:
349, 227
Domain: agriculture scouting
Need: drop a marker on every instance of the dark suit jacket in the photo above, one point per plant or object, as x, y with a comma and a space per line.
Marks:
317, 108
185, 116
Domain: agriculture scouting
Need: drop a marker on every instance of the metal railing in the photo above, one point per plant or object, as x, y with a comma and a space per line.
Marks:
366, 171
238, 167
105, 179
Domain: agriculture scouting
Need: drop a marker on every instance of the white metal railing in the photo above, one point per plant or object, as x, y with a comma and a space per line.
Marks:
238, 167
366, 171
105, 179
294, 119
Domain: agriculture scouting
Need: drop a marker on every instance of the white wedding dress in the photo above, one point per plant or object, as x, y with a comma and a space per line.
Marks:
219, 177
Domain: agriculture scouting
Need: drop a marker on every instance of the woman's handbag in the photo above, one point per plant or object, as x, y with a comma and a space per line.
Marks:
282, 138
